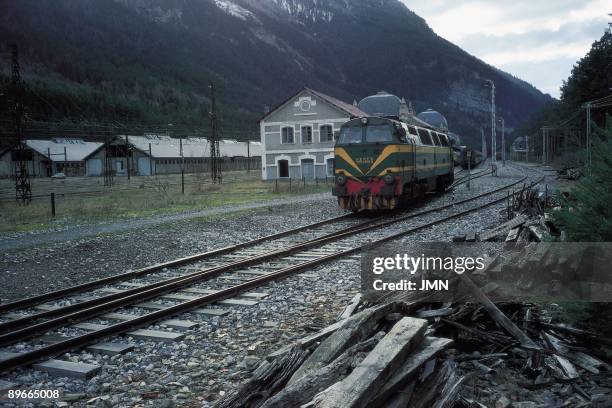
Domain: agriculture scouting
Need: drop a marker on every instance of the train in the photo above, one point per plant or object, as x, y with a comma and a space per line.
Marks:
381, 163
467, 157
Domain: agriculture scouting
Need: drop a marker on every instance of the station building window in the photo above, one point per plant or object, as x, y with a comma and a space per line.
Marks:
306, 134
326, 133
287, 135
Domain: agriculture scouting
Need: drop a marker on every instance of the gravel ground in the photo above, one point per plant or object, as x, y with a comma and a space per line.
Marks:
22, 240
219, 354
48, 267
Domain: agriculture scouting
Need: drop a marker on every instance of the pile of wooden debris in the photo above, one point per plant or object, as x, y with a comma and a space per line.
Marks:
527, 218
571, 173
408, 353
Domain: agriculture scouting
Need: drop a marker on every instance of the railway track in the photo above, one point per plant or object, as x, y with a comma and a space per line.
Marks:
223, 274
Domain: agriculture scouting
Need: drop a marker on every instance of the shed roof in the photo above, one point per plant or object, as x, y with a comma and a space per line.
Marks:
75, 149
163, 146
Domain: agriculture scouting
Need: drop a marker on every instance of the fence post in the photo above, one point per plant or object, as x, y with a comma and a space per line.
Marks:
289, 184
53, 204
276, 185
508, 206
304, 180
183, 181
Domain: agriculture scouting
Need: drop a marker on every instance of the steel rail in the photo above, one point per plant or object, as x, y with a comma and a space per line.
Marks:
83, 310
78, 342
34, 300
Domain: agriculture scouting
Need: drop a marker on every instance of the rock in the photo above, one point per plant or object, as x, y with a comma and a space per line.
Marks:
503, 402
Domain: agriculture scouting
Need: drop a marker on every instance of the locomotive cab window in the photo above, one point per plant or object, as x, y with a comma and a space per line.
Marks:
434, 137
379, 134
443, 139
350, 134
425, 137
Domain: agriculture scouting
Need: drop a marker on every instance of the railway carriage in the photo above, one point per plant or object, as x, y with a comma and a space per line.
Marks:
382, 163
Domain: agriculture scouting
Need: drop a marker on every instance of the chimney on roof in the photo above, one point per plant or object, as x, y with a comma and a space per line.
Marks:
406, 112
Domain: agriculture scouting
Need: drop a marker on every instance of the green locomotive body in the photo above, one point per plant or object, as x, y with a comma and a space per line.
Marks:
381, 163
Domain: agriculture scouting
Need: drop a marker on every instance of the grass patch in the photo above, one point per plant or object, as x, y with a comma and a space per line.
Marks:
144, 202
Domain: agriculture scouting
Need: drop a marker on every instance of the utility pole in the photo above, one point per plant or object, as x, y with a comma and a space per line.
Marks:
215, 167
23, 186
588, 135
493, 135
483, 142
503, 142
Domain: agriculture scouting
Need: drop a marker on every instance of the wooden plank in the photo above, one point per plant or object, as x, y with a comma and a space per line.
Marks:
428, 314
497, 314
503, 228
377, 368
353, 330
513, 234
430, 348
567, 367
350, 308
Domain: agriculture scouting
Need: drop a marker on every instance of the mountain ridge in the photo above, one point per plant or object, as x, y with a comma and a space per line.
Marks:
155, 58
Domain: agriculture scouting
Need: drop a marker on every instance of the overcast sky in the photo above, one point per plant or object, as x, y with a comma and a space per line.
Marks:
536, 40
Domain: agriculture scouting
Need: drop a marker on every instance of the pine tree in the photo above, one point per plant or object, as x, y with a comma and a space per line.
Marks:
587, 215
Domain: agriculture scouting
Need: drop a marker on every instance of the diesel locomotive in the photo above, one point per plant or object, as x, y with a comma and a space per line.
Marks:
382, 163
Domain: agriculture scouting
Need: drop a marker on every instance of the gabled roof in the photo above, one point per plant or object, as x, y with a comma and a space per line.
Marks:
75, 150
351, 110
166, 147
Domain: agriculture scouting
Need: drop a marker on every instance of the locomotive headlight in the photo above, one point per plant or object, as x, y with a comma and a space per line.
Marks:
389, 179
341, 179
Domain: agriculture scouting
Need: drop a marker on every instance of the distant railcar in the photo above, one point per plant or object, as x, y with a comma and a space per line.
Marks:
465, 155
381, 163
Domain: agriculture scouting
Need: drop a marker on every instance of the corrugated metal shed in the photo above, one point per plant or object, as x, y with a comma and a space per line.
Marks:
75, 150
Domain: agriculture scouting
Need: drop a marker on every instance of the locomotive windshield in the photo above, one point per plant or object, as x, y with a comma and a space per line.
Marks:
373, 133
379, 133
350, 135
